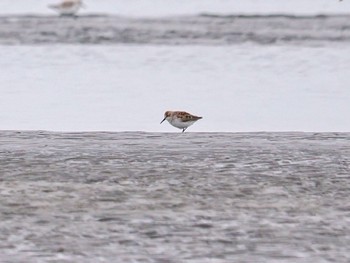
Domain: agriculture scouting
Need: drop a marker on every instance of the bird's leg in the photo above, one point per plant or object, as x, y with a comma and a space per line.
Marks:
184, 129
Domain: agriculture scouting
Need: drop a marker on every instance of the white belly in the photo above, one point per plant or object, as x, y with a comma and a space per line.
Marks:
72, 10
180, 124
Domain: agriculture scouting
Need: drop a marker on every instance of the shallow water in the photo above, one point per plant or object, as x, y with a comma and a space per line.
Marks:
128, 88
172, 197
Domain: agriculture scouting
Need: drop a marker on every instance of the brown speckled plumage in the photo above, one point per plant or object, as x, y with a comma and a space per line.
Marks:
180, 119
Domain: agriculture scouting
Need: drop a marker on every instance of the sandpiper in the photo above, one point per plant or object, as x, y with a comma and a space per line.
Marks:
180, 119
67, 7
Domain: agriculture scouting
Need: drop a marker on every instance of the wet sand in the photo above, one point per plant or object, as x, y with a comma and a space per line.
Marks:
205, 29
172, 197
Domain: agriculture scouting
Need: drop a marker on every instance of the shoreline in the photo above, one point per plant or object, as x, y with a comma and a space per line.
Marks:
204, 29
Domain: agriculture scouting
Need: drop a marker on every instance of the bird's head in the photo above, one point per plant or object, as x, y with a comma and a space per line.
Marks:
166, 115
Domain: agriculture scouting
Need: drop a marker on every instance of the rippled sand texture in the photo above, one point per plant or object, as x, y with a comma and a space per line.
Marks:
192, 197
203, 29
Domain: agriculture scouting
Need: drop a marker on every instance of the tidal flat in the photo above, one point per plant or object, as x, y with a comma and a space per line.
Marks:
173, 197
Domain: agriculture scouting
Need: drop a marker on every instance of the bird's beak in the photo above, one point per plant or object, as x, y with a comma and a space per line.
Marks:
163, 120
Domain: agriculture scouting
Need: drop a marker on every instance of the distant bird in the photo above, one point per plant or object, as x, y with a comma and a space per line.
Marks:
180, 119
67, 7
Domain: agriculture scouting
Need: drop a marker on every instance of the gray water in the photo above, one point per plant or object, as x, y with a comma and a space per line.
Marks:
172, 197
205, 29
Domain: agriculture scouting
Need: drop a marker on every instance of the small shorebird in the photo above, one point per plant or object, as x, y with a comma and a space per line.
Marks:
180, 119
67, 7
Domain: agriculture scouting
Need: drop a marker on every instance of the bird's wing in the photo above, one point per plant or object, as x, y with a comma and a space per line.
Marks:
188, 117
68, 4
